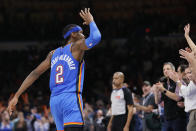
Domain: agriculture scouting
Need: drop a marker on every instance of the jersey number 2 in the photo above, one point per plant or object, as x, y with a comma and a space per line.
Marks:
59, 77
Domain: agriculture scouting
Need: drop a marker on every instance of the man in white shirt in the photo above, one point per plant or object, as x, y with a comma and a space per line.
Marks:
189, 94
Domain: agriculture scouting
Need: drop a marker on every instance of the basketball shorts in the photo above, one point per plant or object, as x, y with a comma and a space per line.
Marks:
66, 109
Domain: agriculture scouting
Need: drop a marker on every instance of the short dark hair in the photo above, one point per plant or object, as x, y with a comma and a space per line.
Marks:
66, 29
182, 67
146, 83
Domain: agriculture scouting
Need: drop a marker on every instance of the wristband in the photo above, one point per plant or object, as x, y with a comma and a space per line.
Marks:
165, 91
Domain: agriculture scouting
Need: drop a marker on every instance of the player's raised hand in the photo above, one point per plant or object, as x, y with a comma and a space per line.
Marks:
186, 30
86, 16
12, 104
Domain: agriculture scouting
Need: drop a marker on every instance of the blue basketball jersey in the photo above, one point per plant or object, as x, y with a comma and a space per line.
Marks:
67, 74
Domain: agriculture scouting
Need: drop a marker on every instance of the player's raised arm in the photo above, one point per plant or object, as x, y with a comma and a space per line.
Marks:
95, 35
33, 76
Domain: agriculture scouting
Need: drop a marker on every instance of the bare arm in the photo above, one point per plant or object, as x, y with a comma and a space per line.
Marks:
189, 41
157, 98
110, 124
129, 118
148, 108
34, 75
157, 94
169, 94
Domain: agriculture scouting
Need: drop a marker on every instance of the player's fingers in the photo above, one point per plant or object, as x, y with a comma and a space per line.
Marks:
82, 12
81, 15
9, 110
86, 11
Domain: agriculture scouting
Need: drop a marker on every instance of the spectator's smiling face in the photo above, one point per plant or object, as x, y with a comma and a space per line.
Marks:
146, 89
180, 74
167, 68
188, 73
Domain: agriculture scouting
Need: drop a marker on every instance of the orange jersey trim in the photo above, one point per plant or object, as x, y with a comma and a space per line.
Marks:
73, 123
79, 86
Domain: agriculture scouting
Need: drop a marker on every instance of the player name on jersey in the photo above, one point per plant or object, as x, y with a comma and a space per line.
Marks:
65, 58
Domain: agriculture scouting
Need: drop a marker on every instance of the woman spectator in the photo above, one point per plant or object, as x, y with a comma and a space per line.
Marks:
21, 124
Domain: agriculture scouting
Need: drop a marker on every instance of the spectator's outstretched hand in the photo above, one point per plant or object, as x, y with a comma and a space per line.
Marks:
190, 57
188, 49
186, 30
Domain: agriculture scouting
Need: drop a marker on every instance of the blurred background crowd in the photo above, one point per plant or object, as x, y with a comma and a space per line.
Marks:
137, 38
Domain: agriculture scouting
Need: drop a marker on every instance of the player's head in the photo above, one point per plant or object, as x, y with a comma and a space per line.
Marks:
168, 66
72, 31
118, 79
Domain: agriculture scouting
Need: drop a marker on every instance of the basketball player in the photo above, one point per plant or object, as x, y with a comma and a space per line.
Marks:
67, 75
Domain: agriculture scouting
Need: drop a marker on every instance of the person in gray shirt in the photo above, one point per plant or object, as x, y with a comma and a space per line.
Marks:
148, 104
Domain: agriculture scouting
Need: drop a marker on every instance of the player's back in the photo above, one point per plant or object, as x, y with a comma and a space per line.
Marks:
67, 74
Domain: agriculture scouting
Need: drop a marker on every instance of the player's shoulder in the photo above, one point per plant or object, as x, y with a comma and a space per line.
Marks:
51, 53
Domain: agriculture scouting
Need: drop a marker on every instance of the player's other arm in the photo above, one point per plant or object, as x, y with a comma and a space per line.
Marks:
95, 35
148, 108
33, 76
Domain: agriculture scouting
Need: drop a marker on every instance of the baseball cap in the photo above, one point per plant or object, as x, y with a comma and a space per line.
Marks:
146, 83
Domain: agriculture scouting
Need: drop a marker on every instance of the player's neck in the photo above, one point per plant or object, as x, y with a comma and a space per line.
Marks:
71, 41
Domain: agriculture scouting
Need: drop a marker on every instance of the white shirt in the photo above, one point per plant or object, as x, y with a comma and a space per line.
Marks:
189, 94
118, 102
